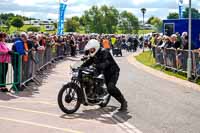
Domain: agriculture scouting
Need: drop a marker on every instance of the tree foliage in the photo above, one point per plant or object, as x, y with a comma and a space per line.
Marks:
173, 15
156, 22
33, 29
195, 13
72, 24
128, 22
150, 19
7, 18
17, 22
104, 19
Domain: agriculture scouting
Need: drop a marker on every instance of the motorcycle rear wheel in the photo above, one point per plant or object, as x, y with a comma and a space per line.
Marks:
71, 90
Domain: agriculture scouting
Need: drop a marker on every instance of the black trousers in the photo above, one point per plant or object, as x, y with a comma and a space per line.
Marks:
3, 73
73, 51
154, 52
111, 82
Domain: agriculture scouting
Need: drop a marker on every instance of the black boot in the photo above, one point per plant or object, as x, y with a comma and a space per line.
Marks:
124, 106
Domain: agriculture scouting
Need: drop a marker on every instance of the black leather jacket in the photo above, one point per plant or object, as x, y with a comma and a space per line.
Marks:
104, 62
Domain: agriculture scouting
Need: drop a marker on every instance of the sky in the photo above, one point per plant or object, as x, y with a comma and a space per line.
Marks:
45, 9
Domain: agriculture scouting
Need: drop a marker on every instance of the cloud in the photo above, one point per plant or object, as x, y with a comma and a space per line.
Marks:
49, 8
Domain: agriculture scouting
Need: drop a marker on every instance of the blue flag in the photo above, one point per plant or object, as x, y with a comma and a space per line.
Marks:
62, 9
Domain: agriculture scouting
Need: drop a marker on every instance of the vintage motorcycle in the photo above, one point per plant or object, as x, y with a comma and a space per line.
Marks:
86, 87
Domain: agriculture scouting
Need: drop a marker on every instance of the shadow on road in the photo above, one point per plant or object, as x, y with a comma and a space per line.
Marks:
26, 93
6, 96
29, 89
101, 115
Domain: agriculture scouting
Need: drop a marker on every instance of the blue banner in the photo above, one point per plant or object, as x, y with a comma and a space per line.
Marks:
61, 18
181, 9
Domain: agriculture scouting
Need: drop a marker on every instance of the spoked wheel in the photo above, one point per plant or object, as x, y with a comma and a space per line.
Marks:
68, 98
105, 102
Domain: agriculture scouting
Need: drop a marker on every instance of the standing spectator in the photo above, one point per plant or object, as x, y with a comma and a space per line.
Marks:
166, 43
106, 43
178, 38
159, 41
136, 43
34, 49
26, 64
73, 46
184, 41
4, 60
18, 47
60, 43
113, 41
175, 43
68, 47
153, 44
130, 42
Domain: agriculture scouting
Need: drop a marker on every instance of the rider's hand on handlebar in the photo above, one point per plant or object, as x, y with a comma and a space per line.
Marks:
84, 58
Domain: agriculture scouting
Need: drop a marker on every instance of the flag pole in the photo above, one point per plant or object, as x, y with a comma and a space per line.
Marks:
58, 17
189, 65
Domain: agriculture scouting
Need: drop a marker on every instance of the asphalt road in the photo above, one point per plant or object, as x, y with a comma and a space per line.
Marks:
36, 109
157, 105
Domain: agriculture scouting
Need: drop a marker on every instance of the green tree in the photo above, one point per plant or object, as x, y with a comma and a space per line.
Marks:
55, 25
33, 29
157, 23
128, 22
17, 22
93, 20
173, 15
149, 20
72, 24
104, 19
110, 17
195, 13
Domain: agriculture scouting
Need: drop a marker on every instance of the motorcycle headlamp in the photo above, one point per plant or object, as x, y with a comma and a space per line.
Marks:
75, 74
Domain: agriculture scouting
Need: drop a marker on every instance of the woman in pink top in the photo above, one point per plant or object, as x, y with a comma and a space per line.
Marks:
4, 60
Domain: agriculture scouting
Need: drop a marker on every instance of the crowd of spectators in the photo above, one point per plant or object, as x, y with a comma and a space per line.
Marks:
175, 41
73, 44
24, 44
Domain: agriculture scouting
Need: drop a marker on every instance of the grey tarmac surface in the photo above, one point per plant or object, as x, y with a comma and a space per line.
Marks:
156, 104
36, 111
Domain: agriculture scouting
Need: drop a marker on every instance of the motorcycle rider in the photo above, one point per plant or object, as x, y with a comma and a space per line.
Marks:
104, 62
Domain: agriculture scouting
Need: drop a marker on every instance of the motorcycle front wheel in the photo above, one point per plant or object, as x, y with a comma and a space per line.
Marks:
69, 98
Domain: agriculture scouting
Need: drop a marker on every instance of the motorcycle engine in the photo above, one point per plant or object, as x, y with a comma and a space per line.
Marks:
94, 87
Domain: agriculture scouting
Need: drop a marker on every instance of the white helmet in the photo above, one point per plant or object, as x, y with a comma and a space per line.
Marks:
92, 44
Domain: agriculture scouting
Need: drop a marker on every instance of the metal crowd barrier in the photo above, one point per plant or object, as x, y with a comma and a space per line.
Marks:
10, 65
38, 60
16, 71
170, 58
159, 56
182, 56
196, 63
177, 60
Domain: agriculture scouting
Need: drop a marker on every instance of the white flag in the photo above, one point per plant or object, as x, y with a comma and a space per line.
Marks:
64, 1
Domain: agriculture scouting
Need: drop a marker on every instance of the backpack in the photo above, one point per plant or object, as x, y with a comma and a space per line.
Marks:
19, 46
